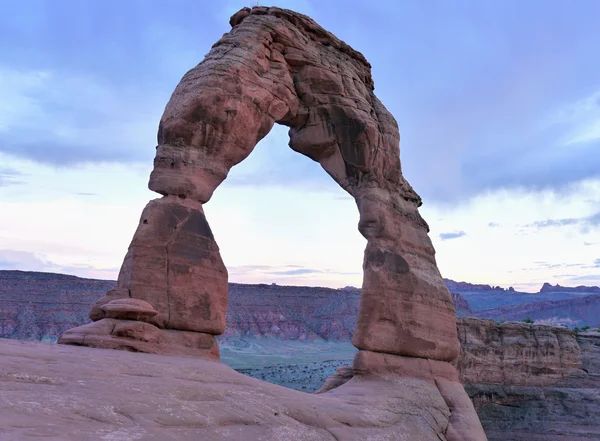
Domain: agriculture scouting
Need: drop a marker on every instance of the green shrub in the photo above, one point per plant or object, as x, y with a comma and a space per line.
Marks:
528, 320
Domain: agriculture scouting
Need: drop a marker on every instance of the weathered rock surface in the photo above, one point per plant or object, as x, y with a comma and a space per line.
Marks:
527, 382
532, 382
278, 66
461, 305
136, 336
516, 353
116, 395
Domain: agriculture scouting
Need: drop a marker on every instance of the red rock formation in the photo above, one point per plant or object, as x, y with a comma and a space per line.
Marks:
531, 382
278, 66
516, 353
461, 304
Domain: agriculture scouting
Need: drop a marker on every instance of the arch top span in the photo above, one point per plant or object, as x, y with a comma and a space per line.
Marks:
276, 66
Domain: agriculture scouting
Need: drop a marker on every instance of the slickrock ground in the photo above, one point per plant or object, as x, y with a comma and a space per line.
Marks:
56, 392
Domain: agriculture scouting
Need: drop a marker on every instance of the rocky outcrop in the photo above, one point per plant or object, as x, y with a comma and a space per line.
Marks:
466, 286
516, 353
547, 287
527, 382
461, 305
531, 382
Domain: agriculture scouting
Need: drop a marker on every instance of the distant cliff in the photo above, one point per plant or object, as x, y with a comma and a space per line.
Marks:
41, 306
461, 305
546, 287
578, 311
531, 382
291, 312
465, 286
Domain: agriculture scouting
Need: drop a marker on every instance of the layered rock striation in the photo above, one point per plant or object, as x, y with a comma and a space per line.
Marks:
516, 353
278, 66
531, 382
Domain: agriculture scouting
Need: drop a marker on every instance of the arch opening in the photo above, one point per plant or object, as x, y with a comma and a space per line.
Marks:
275, 66
287, 234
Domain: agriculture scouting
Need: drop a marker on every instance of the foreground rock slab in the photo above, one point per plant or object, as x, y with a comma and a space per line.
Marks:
58, 392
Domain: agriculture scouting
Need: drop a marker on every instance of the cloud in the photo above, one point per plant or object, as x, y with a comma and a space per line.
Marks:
586, 223
19, 260
9, 176
593, 277
452, 235
83, 193
274, 164
295, 272
481, 155
546, 265
282, 270
493, 224
597, 263
27, 261
582, 119
63, 119
79, 98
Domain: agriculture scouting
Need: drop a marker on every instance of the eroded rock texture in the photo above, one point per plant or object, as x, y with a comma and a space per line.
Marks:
516, 353
123, 396
531, 382
277, 66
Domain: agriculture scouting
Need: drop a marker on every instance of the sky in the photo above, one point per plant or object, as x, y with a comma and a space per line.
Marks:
498, 105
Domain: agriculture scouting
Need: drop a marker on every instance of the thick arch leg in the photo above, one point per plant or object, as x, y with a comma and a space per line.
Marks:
158, 305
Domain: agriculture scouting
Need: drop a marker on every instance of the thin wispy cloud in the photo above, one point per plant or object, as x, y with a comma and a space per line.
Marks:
589, 277
282, 270
27, 261
60, 119
10, 176
452, 235
580, 119
586, 223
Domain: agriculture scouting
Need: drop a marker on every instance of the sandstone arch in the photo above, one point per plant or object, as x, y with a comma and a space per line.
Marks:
276, 66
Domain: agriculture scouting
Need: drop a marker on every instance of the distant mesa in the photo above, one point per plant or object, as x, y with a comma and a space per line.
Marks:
465, 286
547, 287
